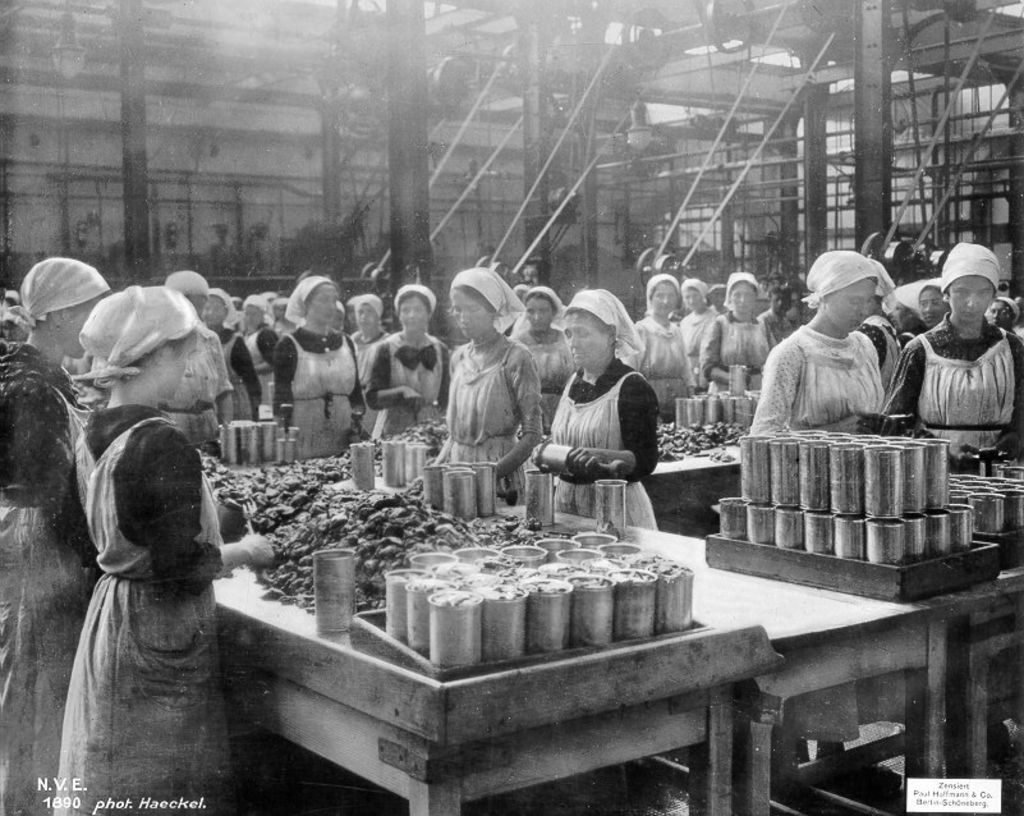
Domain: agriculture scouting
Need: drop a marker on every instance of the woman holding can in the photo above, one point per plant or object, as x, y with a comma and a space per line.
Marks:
494, 410
825, 375
963, 380
663, 360
735, 338
144, 714
608, 411
315, 371
407, 380
539, 328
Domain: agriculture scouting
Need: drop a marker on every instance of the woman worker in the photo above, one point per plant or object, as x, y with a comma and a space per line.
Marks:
825, 374
408, 373
699, 315
663, 360
144, 711
367, 310
735, 338
539, 328
260, 339
315, 372
964, 379
494, 406
608, 411
221, 317
44, 541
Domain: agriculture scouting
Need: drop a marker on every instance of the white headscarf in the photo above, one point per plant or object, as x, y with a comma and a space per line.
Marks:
522, 323
128, 325
695, 283
296, 311
909, 294
607, 308
416, 289
835, 270
970, 259
656, 280
232, 318
262, 303
372, 300
55, 284
188, 283
1012, 304
492, 288
738, 277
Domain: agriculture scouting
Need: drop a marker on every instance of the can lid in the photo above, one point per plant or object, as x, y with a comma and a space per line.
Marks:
544, 585
455, 598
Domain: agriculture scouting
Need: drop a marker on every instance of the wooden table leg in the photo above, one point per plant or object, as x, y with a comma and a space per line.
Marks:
711, 761
932, 750
1018, 699
435, 799
752, 791
976, 710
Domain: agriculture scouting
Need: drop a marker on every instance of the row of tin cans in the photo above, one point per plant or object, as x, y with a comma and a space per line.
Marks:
998, 502
244, 442
401, 463
707, 409
893, 540
846, 474
466, 490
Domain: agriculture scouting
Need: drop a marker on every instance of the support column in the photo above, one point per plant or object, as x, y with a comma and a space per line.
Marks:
789, 204
330, 148
134, 170
534, 38
727, 225
407, 143
815, 172
872, 100
1015, 192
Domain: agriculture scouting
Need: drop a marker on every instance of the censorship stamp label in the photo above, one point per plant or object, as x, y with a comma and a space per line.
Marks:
954, 795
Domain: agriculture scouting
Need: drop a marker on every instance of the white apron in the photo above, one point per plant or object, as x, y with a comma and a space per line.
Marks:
967, 402
742, 344
193, 407
320, 399
145, 713
427, 383
264, 370
596, 425
693, 327
664, 364
44, 593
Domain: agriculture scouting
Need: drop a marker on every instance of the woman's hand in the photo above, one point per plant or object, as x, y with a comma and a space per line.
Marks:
251, 551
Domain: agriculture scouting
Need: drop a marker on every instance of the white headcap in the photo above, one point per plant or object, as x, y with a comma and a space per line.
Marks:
296, 311
607, 308
695, 283
492, 288
835, 270
549, 294
739, 277
970, 259
188, 283
416, 289
55, 284
370, 299
232, 317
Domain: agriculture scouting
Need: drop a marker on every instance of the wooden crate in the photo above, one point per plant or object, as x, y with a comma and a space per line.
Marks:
1011, 546
887, 582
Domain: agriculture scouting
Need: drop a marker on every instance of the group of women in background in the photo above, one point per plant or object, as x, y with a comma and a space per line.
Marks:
108, 533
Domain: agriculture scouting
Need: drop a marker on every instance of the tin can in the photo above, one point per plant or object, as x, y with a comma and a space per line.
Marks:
416, 455
784, 457
761, 523
294, 432
849, 536
818, 533
334, 590
755, 469
738, 380
846, 479
548, 615
224, 440
428, 560
712, 409
591, 616
540, 498
486, 488
1015, 472
636, 595
789, 528
681, 412
673, 601
455, 628
694, 411
936, 466
503, 622
268, 440
620, 551
290, 450
282, 449
885, 541
728, 409
743, 411
393, 464
361, 459
1013, 507
433, 486
732, 515
460, 494
253, 442
474, 555
417, 609
959, 496
526, 555
814, 475
610, 506
396, 614
577, 557
557, 570
914, 475
962, 523
593, 541
883, 481
988, 512
553, 546
937, 533
915, 535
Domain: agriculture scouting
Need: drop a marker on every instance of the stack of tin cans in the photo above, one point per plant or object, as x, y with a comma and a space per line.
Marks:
244, 442
467, 490
880, 499
997, 501
707, 409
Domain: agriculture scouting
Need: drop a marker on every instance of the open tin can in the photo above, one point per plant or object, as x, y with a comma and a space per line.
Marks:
455, 627
592, 610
